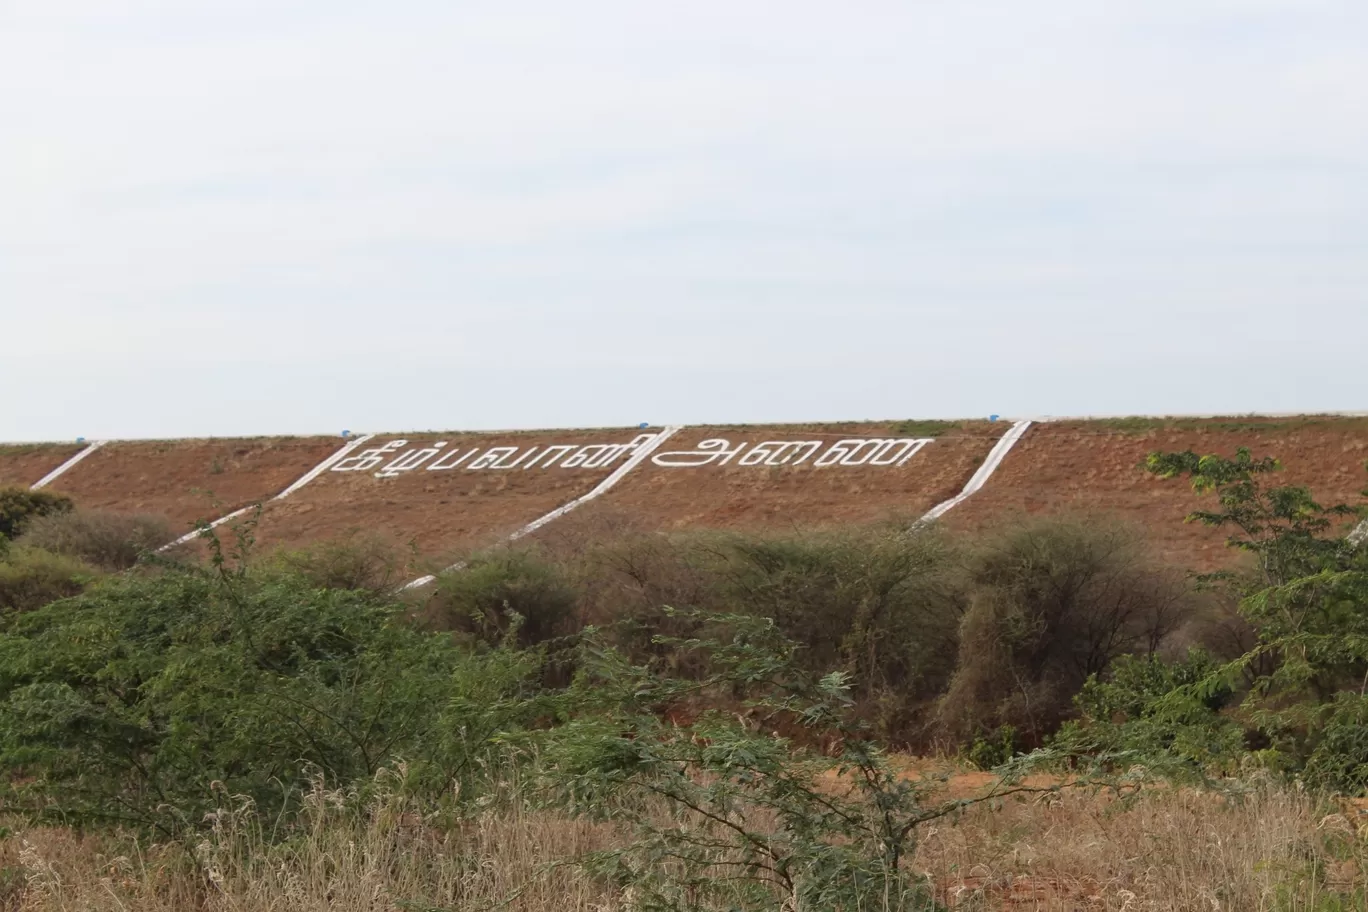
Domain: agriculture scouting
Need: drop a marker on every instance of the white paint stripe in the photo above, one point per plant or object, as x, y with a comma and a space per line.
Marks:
301, 482
191, 536
635, 460
323, 466
56, 473
995, 456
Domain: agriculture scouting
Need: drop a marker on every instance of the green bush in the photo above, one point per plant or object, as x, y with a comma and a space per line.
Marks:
1051, 603
623, 577
502, 591
1339, 759
132, 703
881, 604
993, 750
109, 540
371, 563
18, 506
31, 578
1156, 711
751, 821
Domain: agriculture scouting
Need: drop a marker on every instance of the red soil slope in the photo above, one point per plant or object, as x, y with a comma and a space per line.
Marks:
446, 512
190, 480
1096, 467
460, 496
24, 464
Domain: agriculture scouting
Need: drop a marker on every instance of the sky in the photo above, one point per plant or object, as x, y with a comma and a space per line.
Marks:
232, 217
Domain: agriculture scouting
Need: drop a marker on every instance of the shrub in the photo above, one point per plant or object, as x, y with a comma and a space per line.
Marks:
1339, 760
881, 604
19, 505
31, 578
372, 563
481, 599
109, 540
749, 821
132, 703
1159, 712
1052, 602
626, 576
993, 750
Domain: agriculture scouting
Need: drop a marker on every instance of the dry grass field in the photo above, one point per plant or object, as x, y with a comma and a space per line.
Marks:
1272, 849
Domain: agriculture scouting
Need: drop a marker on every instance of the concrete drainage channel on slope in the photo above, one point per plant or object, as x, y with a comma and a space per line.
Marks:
61, 470
980, 478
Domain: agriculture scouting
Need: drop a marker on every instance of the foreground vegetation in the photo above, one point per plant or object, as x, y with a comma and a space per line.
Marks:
611, 719
1276, 849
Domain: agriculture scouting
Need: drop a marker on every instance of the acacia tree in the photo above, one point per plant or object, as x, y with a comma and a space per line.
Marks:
1288, 530
1307, 675
752, 819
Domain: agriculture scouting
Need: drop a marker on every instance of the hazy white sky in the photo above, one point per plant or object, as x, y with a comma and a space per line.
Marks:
241, 216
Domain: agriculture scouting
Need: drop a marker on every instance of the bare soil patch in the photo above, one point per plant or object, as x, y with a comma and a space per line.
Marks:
191, 480
1097, 466
23, 465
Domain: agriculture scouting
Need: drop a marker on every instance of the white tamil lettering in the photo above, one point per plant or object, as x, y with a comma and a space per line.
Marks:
369, 459
446, 463
440, 457
491, 456
550, 455
594, 456
871, 451
781, 452
897, 452
514, 464
409, 460
706, 453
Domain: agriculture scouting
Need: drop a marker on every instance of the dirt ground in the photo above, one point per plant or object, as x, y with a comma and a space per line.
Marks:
23, 465
1096, 467
751, 497
191, 480
441, 515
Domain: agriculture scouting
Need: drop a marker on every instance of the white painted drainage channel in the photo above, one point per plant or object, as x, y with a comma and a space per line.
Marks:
599, 490
58, 472
301, 482
980, 478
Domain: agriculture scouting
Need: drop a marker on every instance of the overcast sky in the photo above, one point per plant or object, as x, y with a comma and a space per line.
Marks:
241, 216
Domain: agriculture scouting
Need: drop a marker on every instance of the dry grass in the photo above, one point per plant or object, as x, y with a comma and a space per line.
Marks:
388, 857
1170, 850
1271, 849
